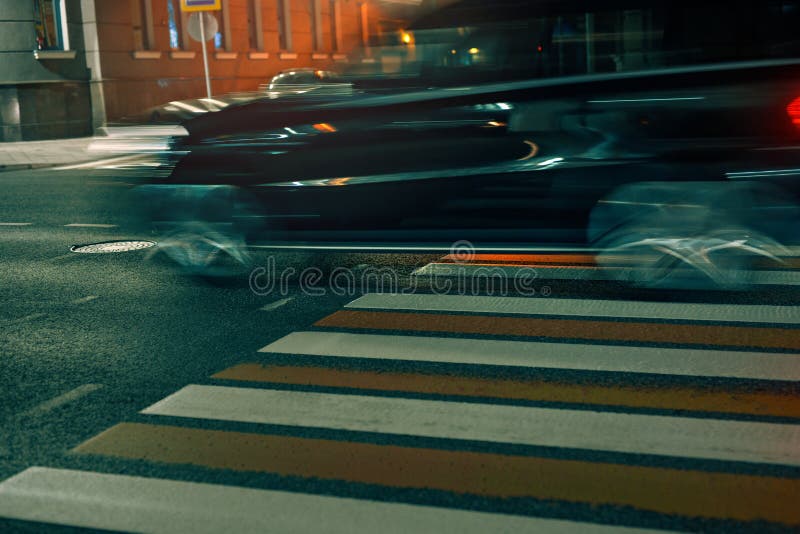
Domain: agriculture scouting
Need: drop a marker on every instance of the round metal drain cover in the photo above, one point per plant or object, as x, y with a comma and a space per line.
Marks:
111, 247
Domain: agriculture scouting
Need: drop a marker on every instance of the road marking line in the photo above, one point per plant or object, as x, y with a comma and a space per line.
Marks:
275, 305
408, 247
540, 272
579, 307
30, 317
56, 402
736, 400
524, 259
622, 359
577, 272
90, 225
662, 490
612, 331
685, 437
84, 299
14, 224
110, 184
138, 504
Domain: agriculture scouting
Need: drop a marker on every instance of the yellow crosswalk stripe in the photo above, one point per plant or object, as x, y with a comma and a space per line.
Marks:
642, 332
732, 400
668, 491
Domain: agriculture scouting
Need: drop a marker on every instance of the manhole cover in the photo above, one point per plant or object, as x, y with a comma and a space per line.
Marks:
110, 247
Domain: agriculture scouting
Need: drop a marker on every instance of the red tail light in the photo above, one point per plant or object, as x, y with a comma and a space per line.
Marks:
793, 109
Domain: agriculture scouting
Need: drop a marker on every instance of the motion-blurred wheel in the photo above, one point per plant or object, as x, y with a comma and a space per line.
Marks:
686, 235
202, 229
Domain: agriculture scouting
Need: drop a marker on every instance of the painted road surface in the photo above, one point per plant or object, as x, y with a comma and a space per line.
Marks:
431, 413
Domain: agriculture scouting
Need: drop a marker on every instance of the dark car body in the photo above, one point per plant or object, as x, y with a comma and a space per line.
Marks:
521, 161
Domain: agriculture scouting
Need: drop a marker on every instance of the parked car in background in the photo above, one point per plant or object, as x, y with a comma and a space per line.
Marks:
299, 81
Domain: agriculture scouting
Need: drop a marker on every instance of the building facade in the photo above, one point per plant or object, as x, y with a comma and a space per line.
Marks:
148, 56
70, 66
44, 77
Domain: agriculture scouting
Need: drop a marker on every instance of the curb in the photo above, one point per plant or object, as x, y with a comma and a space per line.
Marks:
28, 166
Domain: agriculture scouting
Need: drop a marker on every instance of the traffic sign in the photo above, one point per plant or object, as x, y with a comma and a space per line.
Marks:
201, 5
209, 24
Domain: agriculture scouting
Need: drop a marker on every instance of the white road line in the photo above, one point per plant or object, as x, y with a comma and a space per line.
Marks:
90, 225
400, 247
110, 184
577, 429
137, 504
15, 224
56, 402
450, 270
509, 272
655, 360
30, 317
84, 299
277, 304
580, 307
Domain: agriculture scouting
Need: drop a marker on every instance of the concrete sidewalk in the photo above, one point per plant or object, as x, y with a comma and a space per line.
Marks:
117, 141
37, 154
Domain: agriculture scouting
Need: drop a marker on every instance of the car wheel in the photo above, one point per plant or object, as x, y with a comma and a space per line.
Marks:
204, 249
682, 235
203, 229
725, 259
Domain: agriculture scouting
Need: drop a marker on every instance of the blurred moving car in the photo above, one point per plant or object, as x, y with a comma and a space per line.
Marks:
683, 153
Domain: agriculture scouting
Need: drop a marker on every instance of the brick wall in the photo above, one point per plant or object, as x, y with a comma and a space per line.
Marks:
133, 85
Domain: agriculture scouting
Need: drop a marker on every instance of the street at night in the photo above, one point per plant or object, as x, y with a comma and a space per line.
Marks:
114, 364
399, 266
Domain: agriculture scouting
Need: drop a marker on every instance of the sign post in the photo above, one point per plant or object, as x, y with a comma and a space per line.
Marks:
205, 57
202, 24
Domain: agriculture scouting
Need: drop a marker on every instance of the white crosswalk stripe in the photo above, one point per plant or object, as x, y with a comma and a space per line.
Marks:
582, 307
605, 274
605, 431
119, 502
666, 361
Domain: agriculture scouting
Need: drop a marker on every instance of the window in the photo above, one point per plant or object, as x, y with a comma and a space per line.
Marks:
316, 24
50, 22
175, 37
604, 38
254, 24
142, 18
284, 25
336, 26
222, 39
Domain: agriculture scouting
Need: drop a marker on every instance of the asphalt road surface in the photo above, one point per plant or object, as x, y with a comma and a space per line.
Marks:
135, 398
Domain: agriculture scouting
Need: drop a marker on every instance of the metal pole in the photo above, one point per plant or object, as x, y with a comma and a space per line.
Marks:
205, 55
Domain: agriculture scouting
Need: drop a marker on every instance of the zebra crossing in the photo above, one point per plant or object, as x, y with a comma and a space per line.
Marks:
582, 266
437, 413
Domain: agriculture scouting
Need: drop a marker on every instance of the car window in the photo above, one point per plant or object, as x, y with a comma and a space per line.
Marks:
568, 38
